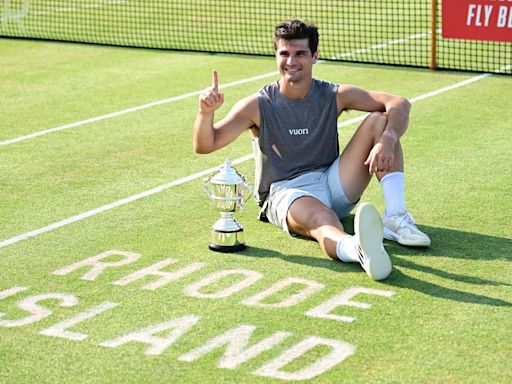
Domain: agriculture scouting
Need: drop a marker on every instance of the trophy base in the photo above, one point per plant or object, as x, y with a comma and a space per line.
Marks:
226, 248
227, 241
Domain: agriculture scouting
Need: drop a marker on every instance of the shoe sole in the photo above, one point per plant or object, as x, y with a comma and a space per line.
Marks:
393, 236
369, 232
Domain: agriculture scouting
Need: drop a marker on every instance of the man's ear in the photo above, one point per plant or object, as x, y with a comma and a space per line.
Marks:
315, 57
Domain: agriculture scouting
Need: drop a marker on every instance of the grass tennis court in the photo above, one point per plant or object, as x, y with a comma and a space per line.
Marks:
443, 316
371, 31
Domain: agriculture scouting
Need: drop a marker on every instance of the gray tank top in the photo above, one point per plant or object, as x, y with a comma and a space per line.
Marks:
295, 136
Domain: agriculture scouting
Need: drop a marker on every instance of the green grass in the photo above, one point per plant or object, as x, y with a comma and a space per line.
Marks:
383, 31
448, 321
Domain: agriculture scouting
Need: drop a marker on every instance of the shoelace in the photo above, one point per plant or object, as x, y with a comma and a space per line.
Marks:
406, 219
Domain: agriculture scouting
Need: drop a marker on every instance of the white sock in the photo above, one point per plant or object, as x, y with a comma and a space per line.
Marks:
393, 185
346, 250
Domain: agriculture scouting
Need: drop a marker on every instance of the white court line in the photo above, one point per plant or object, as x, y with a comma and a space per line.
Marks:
133, 109
506, 67
183, 180
381, 46
16, 15
116, 204
176, 98
424, 96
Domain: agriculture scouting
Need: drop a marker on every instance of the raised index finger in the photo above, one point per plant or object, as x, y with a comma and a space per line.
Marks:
215, 81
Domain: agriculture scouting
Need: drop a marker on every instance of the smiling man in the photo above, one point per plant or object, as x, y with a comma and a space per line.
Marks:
303, 184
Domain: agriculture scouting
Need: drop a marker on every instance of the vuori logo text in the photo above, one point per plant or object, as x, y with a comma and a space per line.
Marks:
296, 132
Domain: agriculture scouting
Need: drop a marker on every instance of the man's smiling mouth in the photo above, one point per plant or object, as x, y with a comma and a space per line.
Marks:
292, 70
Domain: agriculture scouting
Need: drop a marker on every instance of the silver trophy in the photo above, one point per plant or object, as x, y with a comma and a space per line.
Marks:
228, 191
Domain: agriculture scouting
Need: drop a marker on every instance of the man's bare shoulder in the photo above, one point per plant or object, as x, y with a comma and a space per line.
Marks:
250, 101
345, 96
248, 107
346, 90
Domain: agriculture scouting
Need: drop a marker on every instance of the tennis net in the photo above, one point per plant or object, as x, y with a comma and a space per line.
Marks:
397, 32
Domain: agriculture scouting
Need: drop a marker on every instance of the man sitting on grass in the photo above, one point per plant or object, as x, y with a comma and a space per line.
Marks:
303, 185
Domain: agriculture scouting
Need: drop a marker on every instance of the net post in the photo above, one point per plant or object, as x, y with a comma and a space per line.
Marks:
433, 36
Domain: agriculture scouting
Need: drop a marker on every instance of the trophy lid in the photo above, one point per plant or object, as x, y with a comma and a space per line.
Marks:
227, 175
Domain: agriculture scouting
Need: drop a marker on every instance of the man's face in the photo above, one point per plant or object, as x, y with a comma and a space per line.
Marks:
294, 59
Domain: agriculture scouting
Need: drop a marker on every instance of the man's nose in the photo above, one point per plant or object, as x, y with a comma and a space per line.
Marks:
290, 60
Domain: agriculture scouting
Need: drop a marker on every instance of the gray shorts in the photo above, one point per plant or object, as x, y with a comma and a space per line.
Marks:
322, 185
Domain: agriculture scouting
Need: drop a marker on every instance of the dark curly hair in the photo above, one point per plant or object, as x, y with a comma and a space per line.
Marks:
297, 29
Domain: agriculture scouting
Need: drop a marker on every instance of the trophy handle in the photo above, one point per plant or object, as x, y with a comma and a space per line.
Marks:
208, 192
248, 187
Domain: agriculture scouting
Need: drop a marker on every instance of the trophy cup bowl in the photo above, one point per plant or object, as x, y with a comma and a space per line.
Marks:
227, 190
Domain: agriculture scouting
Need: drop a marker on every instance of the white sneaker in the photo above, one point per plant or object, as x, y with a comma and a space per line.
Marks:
401, 228
368, 230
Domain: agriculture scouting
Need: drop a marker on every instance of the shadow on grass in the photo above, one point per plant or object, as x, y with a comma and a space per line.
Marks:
446, 243
320, 262
459, 245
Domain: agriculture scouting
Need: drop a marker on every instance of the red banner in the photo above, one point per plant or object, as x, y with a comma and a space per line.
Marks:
489, 20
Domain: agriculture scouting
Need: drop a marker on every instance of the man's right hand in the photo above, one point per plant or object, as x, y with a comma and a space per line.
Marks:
210, 99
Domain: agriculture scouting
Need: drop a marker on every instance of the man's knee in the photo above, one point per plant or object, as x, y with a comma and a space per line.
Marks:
321, 217
307, 214
376, 122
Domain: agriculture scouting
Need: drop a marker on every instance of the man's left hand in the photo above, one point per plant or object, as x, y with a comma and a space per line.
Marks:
381, 157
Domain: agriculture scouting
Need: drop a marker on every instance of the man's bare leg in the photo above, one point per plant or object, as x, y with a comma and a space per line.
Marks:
309, 217
354, 174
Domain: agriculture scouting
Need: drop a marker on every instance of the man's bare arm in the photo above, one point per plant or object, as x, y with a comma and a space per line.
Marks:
397, 111
207, 136
396, 107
